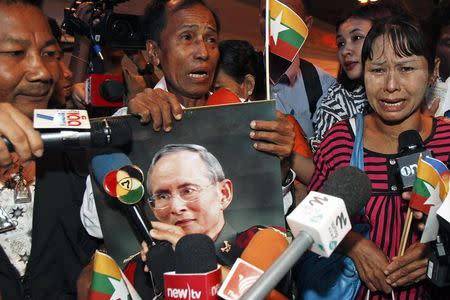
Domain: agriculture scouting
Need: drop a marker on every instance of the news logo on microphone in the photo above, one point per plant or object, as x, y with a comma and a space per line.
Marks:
325, 218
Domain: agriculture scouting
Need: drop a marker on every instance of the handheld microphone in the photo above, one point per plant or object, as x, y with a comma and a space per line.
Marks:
410, 146
262, 250
196, 275
108, 167
105, 132
115, 170
319, 223
103, 90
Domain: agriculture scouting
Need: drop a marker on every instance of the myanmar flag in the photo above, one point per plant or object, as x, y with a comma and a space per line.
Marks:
287, 30
433, 173
108, 281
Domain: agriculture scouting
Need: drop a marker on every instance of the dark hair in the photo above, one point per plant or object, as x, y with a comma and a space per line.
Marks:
239, 58
440, 18
306, 6
370, 12
155, 16
56, 31
406, 36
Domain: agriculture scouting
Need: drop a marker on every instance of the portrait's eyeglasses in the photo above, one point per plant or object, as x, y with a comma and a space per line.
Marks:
190, 193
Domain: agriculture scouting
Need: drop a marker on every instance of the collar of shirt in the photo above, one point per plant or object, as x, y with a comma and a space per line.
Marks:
291, 74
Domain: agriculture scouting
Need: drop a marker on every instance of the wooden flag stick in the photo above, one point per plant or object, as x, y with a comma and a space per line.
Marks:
266, 46
405, 232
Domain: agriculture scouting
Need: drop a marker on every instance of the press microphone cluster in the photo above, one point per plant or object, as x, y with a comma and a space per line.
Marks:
103, 132
319, 223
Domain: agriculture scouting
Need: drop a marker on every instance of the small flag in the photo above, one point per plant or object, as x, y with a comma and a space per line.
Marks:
431, 173
108, 281
288, 31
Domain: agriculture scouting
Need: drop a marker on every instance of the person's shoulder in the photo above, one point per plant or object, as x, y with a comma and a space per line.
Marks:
441, 128
339, 134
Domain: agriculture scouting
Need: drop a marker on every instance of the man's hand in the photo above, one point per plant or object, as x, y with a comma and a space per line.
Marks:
162, 232
84, 281
18, 129
409, 268
370, 262
274, 137
156, 105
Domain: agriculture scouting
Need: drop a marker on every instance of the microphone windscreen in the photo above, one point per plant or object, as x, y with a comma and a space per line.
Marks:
264, 248
112, 90
102, 164
160, 259
351, 185
222, 96
195, 253
118, 132
410, 140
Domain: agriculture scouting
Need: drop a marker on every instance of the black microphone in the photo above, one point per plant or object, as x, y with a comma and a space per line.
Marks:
410, 146
197, 275
104, 132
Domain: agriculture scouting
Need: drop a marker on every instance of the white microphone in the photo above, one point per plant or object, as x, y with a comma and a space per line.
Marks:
319, 223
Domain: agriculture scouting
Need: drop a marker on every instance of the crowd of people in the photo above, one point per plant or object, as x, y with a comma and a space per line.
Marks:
388, 63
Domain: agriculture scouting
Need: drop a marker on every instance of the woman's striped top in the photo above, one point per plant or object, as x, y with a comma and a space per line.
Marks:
386, 210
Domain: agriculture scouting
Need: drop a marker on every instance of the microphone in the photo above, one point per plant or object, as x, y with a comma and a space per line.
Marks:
104, 132
123, 180
222, 96
103, 90
262, 250
319, 223
197, 275
410, 146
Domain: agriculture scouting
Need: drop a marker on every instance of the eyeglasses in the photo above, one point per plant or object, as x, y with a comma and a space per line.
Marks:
190, 193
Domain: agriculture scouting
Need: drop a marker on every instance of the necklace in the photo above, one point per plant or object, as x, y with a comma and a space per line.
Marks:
18, 177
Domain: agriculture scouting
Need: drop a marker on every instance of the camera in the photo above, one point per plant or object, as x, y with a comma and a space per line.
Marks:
105, 27
439, 263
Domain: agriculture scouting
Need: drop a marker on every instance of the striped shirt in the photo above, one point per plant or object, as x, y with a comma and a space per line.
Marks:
386, 210
339, 104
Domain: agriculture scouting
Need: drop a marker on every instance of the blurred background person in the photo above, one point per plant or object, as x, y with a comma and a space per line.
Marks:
347, 96
63, 88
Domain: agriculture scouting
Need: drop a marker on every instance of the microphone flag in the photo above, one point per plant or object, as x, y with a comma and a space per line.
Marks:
108, 281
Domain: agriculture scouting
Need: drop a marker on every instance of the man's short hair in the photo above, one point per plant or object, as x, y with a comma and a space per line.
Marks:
155, 16
214, 169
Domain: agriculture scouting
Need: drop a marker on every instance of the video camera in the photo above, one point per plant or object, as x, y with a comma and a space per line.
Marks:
105, 27
439, 264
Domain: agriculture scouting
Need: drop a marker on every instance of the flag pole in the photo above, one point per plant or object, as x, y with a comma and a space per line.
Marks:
266, 47
405, 232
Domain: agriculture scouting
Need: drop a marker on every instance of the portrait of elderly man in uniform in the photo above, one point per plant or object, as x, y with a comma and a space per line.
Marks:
188, 192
